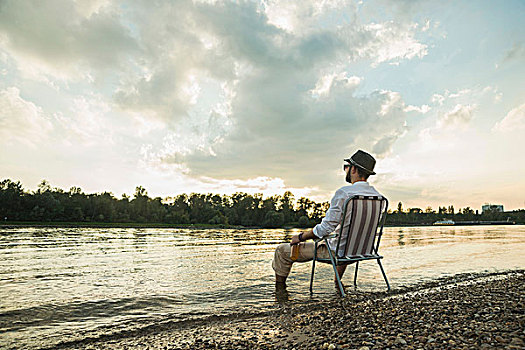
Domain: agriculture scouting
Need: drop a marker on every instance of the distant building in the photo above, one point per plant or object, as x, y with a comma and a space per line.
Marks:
492, 207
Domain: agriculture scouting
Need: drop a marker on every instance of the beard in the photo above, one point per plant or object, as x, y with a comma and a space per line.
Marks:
347, 178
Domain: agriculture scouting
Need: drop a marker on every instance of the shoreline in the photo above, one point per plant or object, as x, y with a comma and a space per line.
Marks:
473, 310
58, 224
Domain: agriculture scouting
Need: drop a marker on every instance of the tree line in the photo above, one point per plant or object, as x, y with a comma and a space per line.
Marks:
418, 216
48, 204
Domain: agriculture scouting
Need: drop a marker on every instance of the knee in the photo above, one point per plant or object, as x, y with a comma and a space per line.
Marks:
282, 251
281, 248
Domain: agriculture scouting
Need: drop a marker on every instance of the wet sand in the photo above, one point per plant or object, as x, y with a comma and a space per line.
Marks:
468, 311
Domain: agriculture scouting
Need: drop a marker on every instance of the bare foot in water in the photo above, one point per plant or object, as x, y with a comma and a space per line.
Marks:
281, 294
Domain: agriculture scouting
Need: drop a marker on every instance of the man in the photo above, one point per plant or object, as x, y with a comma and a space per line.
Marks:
357, 168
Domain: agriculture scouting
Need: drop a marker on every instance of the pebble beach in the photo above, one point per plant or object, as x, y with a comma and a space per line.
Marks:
468, 311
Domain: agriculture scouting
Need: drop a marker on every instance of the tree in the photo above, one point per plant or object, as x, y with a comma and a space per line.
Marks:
320, 211
75, 191
273, 219
303, 222
44, 186
305, 207
399, 207
287, 206
467, 211
11, 199
219, 219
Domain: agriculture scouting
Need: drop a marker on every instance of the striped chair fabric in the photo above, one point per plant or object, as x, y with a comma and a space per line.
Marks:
363, 215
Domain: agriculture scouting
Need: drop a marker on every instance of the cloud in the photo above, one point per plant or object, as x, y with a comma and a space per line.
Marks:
221, 90
457, 109
283, 88
265, 185
423, 109
228, 42
383, 146
516, 52
326, 82
513, 121
86, 122
21, 121
64, 39
159, 56
277, 141
459, 115
437, 98
393, 100
300, 16
393, 42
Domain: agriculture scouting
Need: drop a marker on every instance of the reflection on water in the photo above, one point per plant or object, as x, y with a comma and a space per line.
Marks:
64, 284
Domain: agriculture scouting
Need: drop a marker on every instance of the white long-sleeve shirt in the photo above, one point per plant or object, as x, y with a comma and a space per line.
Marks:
332, 220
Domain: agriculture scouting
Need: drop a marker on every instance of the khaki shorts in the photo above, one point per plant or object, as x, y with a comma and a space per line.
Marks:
282, 264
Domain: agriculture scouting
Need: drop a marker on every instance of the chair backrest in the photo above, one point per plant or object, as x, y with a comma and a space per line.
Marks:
361, 225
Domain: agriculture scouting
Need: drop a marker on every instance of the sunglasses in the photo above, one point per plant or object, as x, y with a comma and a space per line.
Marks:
346, 165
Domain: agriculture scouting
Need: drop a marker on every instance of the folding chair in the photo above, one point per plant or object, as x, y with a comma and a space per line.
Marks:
361, 223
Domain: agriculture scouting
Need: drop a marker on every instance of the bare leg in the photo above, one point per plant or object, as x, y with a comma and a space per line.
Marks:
280, 280
281, 294
341, 270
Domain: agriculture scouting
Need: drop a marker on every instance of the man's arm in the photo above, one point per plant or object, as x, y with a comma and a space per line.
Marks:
329, 222
306, 236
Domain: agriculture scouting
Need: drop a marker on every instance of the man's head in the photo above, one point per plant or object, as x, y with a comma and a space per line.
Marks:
359, 166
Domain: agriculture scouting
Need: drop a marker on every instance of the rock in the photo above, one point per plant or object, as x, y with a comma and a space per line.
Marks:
400, 341
331, 347
364, 348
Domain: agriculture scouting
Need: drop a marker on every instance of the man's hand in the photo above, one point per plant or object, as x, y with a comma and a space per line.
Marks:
295, 240
306, 236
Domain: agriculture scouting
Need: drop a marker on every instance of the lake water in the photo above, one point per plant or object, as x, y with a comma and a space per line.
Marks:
63, 284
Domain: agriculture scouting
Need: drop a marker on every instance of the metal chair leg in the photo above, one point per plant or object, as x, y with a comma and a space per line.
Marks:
384, 275
312, 277
339, 284
313, 269
355, 274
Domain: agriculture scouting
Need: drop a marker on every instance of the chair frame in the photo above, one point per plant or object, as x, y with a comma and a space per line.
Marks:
335, 260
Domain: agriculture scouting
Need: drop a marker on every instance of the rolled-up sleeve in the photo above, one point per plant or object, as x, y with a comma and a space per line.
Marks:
333, 215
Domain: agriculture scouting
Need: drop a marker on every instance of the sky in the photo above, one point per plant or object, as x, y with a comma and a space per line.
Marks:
265, 97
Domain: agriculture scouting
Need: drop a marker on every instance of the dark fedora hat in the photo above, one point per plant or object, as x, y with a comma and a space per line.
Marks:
363, 160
